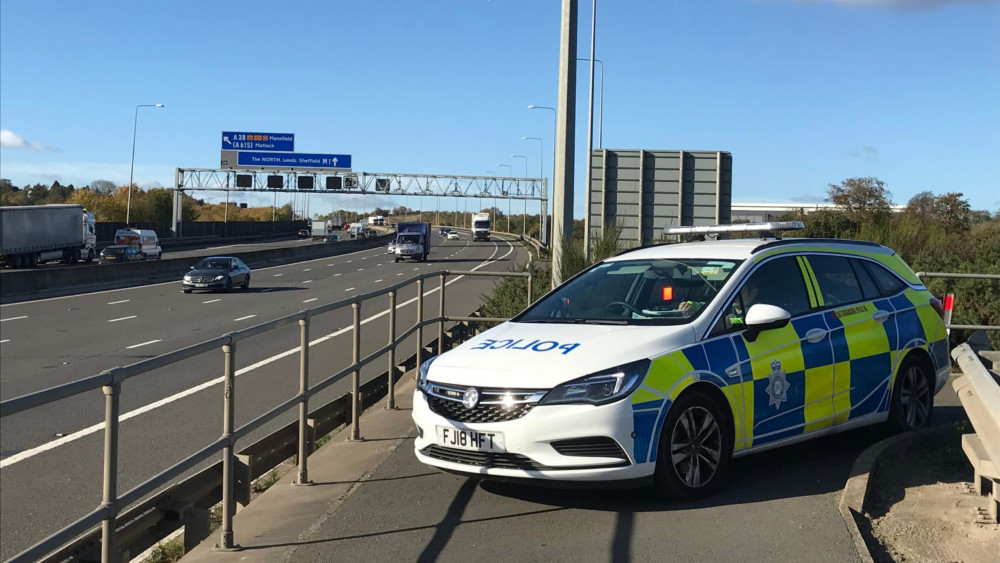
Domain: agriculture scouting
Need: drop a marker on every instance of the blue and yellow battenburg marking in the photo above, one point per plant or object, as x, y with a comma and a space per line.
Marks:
782, 385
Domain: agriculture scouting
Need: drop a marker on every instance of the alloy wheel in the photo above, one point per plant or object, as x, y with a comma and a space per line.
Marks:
915, 397
696, 446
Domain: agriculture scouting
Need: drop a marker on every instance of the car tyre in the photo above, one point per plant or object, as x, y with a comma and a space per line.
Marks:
90, 255
246, 284
186, 290
229, 285
694, 448
912, 397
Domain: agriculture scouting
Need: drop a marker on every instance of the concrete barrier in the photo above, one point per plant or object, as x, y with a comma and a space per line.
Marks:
23, 285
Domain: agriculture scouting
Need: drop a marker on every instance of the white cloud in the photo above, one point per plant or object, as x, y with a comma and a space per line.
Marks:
11, 140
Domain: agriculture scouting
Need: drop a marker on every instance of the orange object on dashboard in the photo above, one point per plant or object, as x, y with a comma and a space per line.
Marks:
668, 293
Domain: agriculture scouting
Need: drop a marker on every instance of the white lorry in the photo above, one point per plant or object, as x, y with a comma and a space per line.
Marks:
321, 230
30, 234
359, 228
481, 226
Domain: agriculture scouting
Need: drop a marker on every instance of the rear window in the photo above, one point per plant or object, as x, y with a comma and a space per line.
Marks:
887, 282
836, 279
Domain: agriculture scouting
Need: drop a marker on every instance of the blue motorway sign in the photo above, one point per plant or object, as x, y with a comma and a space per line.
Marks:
244, 141
293, 160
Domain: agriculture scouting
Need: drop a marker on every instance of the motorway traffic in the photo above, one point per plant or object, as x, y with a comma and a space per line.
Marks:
51, 456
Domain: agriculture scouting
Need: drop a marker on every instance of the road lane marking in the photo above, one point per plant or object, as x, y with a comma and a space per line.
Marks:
361, 269
123, 319
278, 275
244, 318
211, 301
21, 456
349, 289
310, 300
13, 318
142, 344
401, 273
328, 265
117, 302
335, 275
377, 281
2, 341
308, 281
417, 268
307, 270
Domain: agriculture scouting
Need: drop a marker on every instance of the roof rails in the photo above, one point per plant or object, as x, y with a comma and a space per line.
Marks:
768, 230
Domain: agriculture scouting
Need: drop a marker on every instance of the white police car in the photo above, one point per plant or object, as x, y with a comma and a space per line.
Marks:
658, 365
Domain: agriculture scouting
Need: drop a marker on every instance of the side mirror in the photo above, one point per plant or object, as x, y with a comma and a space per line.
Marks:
763, 317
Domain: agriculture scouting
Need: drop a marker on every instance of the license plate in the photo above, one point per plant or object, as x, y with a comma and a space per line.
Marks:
201, 285
470, 439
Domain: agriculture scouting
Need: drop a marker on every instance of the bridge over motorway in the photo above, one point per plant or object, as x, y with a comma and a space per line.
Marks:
371, 499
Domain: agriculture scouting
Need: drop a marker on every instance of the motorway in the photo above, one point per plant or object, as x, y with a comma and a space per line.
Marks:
50, 457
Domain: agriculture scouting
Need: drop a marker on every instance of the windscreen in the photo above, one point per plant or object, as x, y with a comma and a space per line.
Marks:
114, 250
659, 292
408, 239
212, 264
481, 224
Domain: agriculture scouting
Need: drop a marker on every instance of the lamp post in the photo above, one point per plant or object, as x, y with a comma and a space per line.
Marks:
524, 218
510, 173
600, 111
590, 133
131, 168
541, 174
555, 127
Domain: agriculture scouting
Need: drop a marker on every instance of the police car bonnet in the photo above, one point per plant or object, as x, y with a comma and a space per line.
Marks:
531, 354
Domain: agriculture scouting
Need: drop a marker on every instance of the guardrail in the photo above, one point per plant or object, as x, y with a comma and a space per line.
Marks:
109, 514
979, 391
949, 301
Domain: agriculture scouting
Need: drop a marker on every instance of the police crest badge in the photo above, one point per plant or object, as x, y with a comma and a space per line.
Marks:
777, 385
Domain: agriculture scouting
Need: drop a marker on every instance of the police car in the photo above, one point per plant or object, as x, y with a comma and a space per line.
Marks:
656, 366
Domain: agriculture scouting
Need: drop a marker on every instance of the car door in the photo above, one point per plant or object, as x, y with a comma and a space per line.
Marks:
235, 272
862, 333
787, 372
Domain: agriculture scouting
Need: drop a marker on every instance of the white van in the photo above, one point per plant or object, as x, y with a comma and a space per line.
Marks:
145, 239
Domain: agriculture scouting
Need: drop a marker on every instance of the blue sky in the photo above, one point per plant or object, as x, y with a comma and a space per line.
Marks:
803, 93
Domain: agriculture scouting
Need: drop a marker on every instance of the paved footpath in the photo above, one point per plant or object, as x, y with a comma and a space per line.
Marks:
372, 501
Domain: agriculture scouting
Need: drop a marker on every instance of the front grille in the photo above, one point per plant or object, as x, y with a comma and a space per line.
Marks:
495, 405
481, 459
456, 411
596, 446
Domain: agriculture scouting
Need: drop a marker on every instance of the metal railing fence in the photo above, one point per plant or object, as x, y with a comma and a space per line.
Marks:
110, 381
950, 298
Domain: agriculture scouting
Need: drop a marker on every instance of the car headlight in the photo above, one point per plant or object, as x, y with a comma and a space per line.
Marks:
599, 388
187, 278
219, 278
422, 374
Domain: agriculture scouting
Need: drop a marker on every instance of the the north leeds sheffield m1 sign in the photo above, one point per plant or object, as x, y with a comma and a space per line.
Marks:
244, 141
292, 160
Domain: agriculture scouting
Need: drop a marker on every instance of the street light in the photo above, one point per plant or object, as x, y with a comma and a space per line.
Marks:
600, 113
510, 173
554, 127
541, 174
131, 168
524, 218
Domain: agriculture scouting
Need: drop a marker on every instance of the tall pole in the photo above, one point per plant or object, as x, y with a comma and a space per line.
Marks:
562, 193
600, 111
524, 218
131, 167
590, 134
541, 174
510, 172
555, 127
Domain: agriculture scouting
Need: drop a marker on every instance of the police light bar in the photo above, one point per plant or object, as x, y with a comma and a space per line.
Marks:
737, 228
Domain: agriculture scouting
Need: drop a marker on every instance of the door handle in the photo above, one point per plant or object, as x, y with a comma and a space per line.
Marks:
881, 316
816, 334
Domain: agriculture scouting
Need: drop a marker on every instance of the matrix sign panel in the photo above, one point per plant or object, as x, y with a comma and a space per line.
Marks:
246, 141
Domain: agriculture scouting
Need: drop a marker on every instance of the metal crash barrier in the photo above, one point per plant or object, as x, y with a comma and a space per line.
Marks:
979, 391
236, 470
949, 299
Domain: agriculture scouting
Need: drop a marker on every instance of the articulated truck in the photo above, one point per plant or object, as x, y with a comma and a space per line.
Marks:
481, 226
30, 234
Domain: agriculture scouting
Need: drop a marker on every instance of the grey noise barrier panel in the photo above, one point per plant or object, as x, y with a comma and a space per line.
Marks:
109, 276
647, 190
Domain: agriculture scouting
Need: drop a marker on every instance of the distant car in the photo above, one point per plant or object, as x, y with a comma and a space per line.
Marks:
304, 233
444, 230
452, 235
345, 227
217, 272
332, 238
121, 253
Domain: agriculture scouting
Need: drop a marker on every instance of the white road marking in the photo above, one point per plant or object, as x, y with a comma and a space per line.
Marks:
307, 270
417, 268
310, 300
211, 301
328, 265
13, 318
278, 275
308, 281
399, 274
335, 275
377, 281
142, 344
349, 261
244, 318
21, 456
117, 302
2, 341
361, 269
123, 319
349, 289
